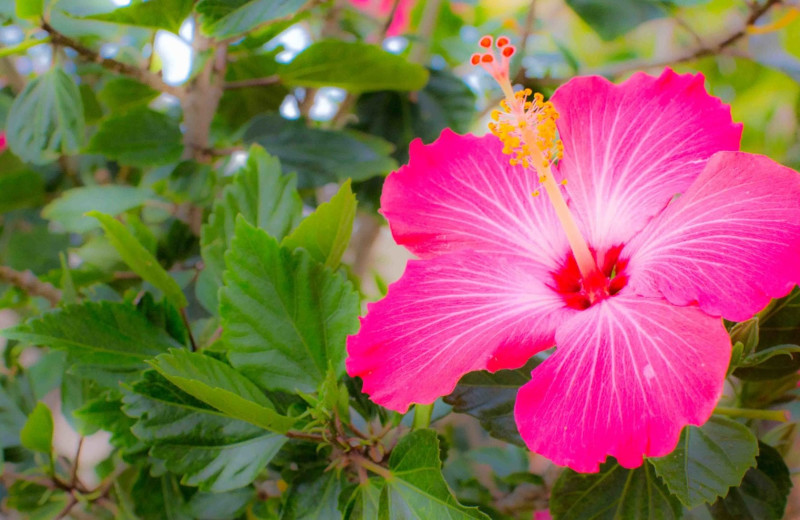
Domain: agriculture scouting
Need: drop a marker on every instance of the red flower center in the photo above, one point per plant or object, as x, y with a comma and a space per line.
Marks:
582, 294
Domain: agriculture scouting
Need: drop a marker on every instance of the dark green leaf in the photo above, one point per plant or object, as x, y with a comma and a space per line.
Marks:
262, 196
69, 210
210, 450
12, 416
708, 460
314, 498
20, 189
490, 398
285, 316
612, 19
353, 66
227, 18
107, 414
762, 356
222, 506
109, 341
762, 494
219, 385
139, 137
613, 493
326, 232
239, 105
46, 119
121, 93
37, 434
154, 14
321, 156
39, 502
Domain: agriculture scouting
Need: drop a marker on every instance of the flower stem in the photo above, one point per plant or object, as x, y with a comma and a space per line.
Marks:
750, 413
422, 416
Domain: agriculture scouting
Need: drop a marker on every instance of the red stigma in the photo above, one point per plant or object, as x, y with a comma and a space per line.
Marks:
486, 42
502, 41
508, 51
487, 58
476, 59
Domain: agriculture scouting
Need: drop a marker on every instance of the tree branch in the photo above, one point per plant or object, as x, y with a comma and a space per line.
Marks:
253, 82
28, 282
141, 75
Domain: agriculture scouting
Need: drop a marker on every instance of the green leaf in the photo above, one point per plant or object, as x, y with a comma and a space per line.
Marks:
314, 498
613, 19
37, 434
37, 501
762, 494
762, 356
69, 210
121, 93
109, 342
326, 232
613, 493
46, 119
154, 14
416, 488
12, 416
285, 317
219, 385
263, 197
239, 105
20, 189
220, 505
210, 450
139, 137
29, 8
490, 398
227, 18
353, 66
321, 156
139, 259
708, 460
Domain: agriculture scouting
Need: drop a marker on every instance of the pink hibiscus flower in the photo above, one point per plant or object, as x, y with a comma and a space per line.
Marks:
382, 8
626, 280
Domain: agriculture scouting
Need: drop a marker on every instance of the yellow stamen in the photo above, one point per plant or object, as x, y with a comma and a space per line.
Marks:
777, 25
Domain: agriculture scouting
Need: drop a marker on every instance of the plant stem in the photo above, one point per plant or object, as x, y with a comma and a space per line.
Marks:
28, 282
750, 413
422, 416
365, 463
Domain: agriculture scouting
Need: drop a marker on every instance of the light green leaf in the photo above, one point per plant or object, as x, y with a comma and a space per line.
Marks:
121, 93
219, 385
139, 137
227, 18
139, 259
613, 493
285, 317
37, 434
326, 232
69, 210
108, 342
353, 66
321, 156
29, 8
263, 197
155, 14
192, 439
708, 460
46, 119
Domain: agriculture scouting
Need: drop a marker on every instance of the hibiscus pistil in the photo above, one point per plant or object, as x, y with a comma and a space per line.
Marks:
527, 128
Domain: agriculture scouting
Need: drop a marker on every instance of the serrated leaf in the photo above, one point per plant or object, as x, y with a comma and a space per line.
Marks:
222, 387
211, 451
314, 498
228, 18
108, 342
264, 197
37, 434
326, 232
121, 93
416, 488
490, 398
708, 460
139, 259
321, 156
139, 137
46, 119
613, 493
353, 66
762, 494
285, 317
69, 210
154, 14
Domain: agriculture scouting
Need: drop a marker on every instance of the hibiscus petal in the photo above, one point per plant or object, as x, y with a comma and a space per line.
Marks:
460, 192
730, 243
627, 375
629, 148
451, 315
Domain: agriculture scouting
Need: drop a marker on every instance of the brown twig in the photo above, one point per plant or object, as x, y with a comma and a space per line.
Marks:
28, 282
141, 75
252, 82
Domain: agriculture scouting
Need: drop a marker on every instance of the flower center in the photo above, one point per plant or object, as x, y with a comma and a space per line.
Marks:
527, 128
581, 293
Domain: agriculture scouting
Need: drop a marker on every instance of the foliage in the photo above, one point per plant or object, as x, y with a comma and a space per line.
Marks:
183, 259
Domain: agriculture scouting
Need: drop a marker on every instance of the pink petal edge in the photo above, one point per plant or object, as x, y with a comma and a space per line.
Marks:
628, 374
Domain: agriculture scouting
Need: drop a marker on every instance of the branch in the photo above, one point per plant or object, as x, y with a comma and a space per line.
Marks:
28, 282
141, 75
253, 82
